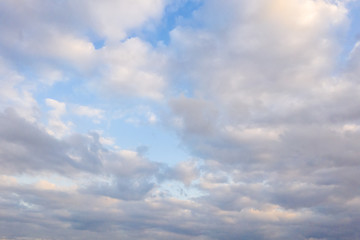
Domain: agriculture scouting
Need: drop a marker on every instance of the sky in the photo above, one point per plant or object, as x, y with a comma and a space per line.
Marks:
179, 119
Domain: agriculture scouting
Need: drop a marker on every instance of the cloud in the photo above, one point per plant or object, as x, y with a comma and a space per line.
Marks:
94, 113
88, 111
267, 113
15, 93
247, 92
242, 51
56, 126
112, 19
185, 172
28, 148
132, 68
268, 117
137, 115
122, 188
55, 42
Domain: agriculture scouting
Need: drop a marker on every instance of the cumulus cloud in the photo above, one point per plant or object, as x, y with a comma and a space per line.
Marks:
257, 75
132, 68
112, 19
56, 126
269, 118
15, 93
268, 112
186, 172
56, 41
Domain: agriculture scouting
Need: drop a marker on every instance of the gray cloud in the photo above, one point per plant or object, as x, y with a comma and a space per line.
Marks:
26, 148
273, 131
283, 123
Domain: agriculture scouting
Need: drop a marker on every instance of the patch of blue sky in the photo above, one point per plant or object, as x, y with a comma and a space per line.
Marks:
97, 41
73, 93
175, 14
134, 132
125, 121
162, 146
352, 36
354, 15
72, 90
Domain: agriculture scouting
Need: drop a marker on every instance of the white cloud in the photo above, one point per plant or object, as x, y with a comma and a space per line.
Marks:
132, 68
274, 132
55, 40
94, 113
14, 93
256, 73
152, 117
50, 75
58, 108
56, 126
112, 19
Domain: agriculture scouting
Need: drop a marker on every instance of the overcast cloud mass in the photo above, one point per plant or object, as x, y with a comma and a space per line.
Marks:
180, 119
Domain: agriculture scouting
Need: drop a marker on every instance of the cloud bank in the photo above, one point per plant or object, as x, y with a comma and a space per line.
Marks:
262, 96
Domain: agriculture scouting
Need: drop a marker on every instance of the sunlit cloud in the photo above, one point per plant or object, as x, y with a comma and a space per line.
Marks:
181, 119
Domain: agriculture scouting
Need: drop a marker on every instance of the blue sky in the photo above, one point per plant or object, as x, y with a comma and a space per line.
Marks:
179, 119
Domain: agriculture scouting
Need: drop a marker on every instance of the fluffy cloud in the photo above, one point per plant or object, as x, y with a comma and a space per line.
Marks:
56, 41
257, 76
27, 148
14, 92
112, 19
266, 113
132, 68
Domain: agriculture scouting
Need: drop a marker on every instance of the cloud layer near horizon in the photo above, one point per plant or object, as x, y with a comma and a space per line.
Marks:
261, 95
